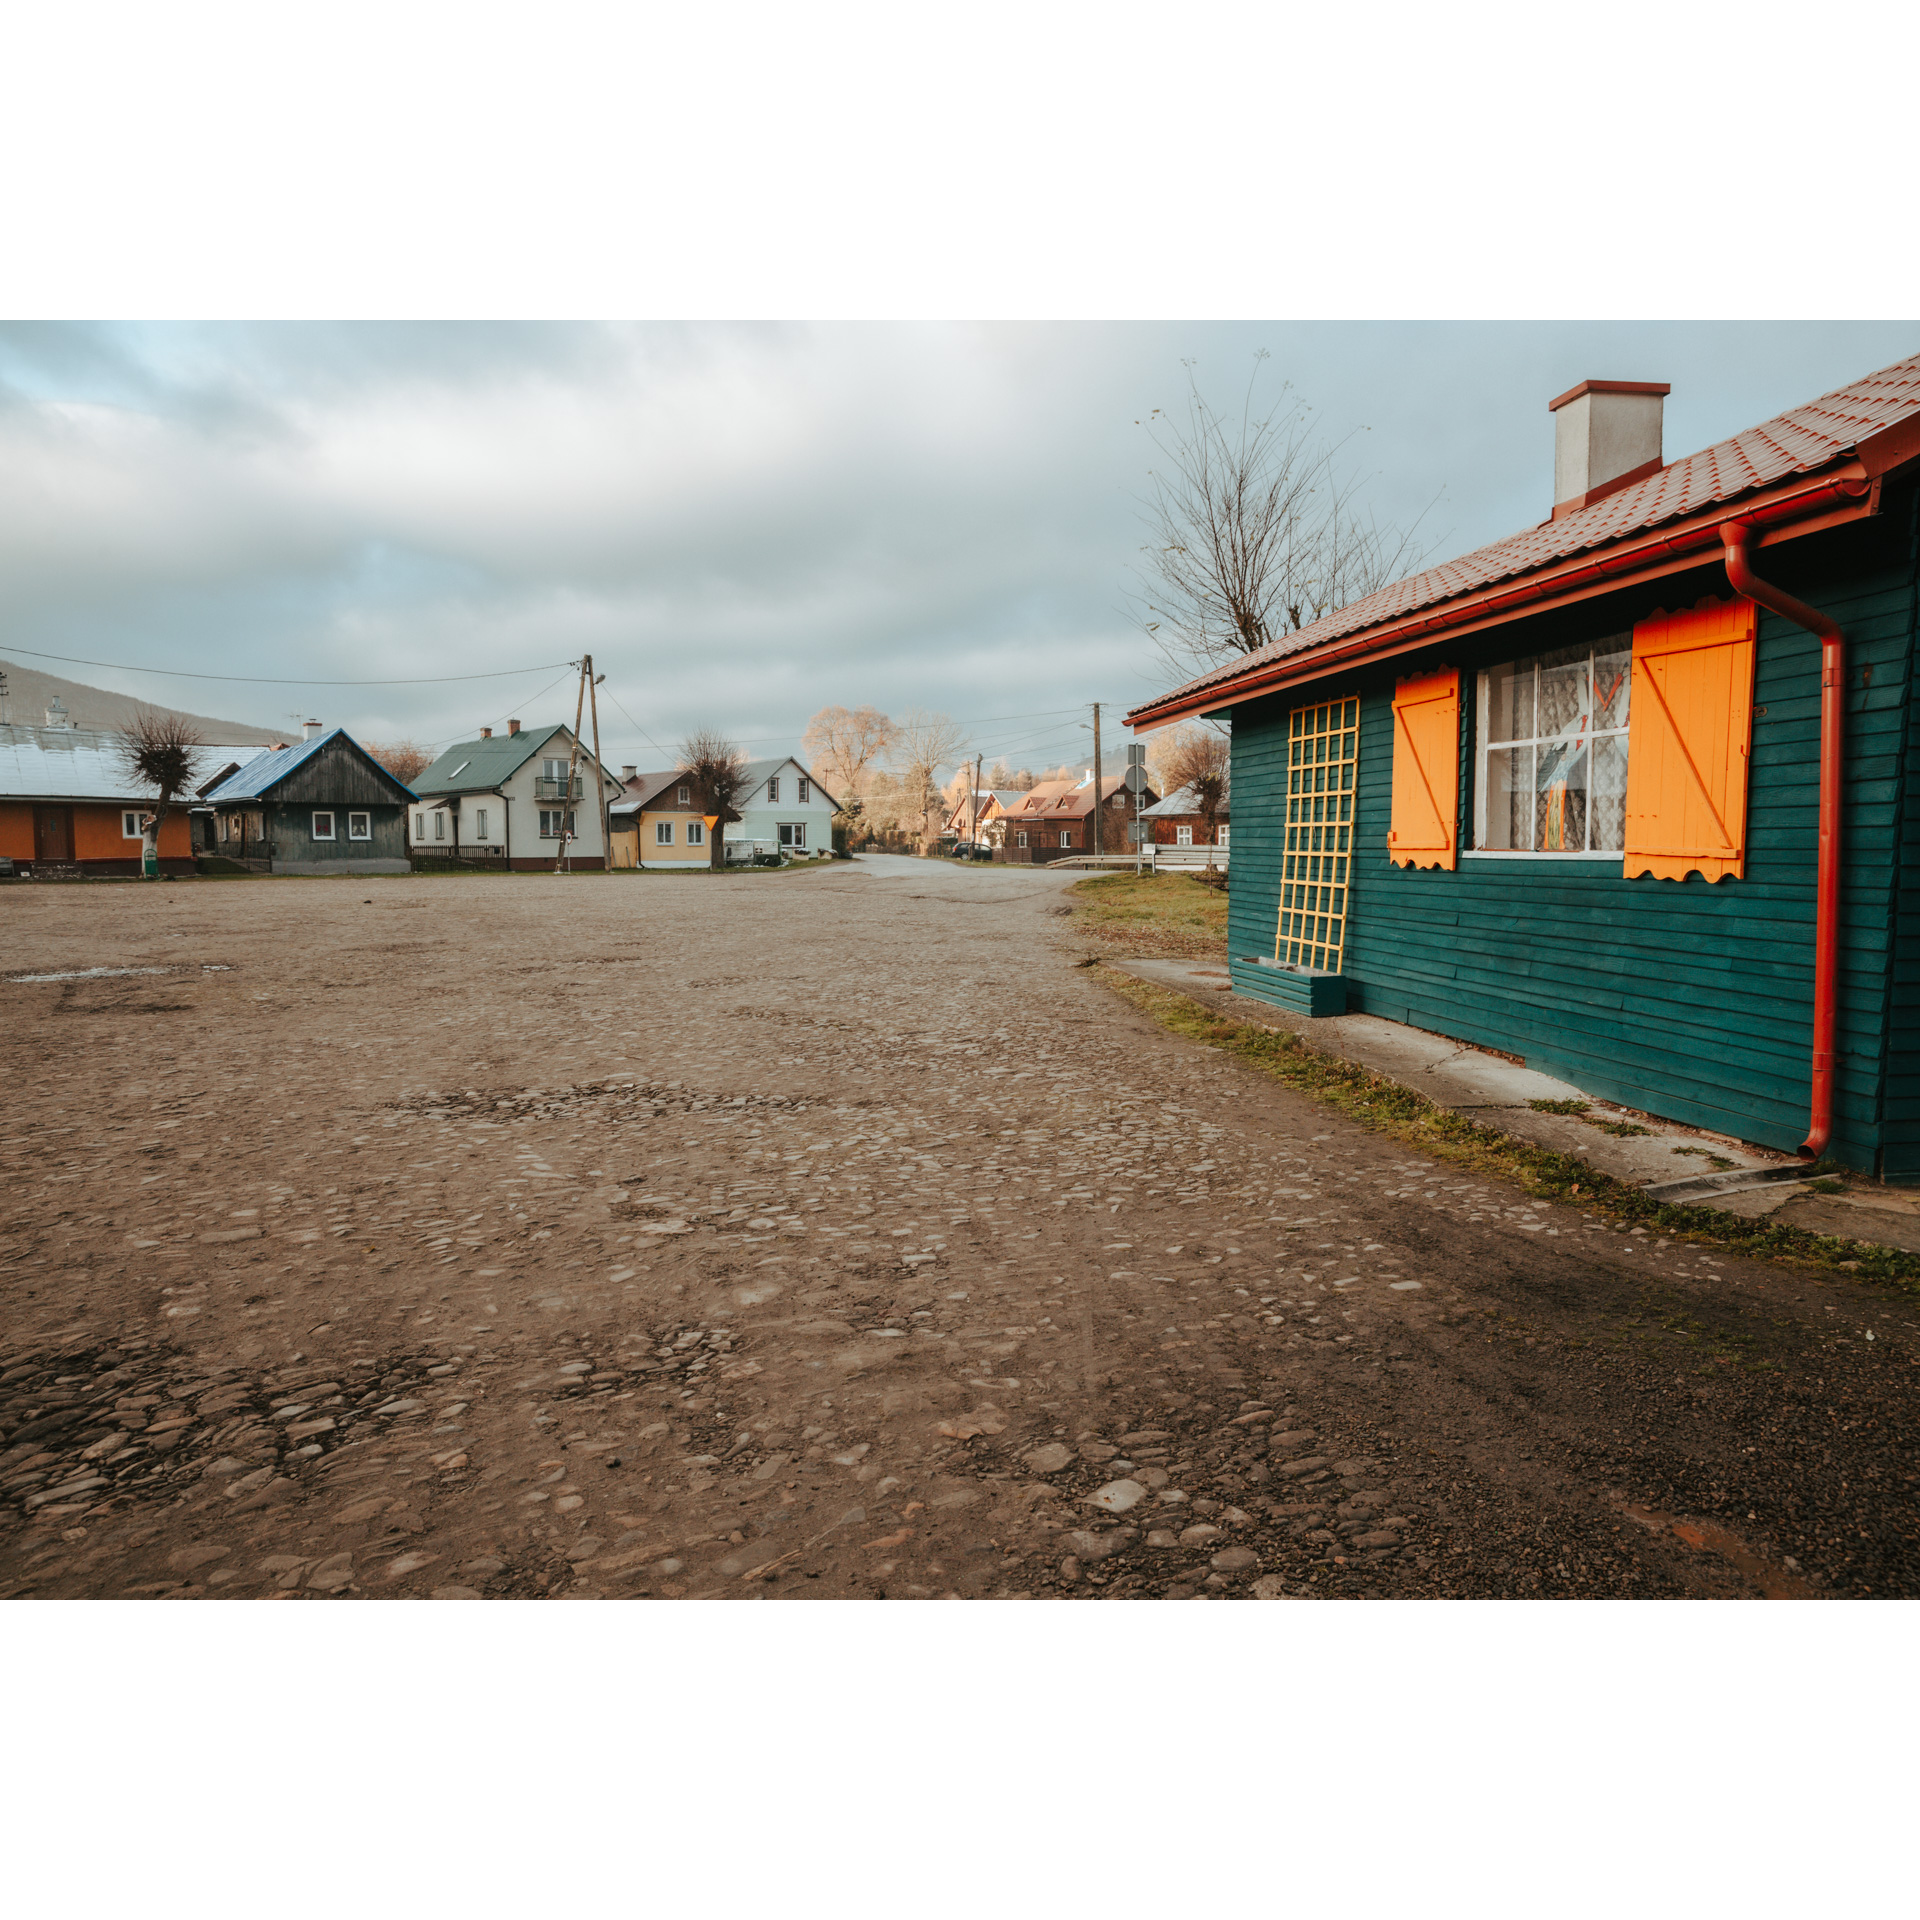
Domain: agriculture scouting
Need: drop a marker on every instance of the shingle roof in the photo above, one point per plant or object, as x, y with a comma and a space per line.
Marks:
478, 766
1799, 441
266, 770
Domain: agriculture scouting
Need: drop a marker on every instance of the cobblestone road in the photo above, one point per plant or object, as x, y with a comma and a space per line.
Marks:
825, 1234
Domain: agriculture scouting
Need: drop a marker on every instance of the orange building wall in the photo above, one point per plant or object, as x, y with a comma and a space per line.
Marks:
16, 831
97, 836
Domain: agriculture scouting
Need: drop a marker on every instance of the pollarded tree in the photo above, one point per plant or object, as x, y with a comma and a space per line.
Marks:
160, 750
717, 771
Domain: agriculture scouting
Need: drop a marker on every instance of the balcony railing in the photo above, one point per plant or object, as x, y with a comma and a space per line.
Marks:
545, 789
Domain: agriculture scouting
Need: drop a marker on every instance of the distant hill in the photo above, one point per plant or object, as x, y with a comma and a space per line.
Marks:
29, 690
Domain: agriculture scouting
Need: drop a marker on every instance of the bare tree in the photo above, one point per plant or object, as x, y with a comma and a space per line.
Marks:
1254, 530
923, 744
717, 771
1198, 758
844, 747
159, 749
406, 760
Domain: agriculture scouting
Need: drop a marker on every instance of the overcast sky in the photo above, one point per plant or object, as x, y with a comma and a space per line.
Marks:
742, 523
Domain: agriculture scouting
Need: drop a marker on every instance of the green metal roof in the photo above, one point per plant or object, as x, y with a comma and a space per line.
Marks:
478, 766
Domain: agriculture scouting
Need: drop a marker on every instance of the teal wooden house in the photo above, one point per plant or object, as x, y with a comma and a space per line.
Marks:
1634, 794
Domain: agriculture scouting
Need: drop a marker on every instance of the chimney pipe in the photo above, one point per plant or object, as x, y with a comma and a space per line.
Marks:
1606, 435
311, 730
486, 733
629, 774
513, 727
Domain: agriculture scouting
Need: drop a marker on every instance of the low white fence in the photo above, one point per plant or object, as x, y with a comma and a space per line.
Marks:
1150, 860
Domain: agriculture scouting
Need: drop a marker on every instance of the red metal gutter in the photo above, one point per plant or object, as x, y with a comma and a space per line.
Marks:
1843, 496
1826, 923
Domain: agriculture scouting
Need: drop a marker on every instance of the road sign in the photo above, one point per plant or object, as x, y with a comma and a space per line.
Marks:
1140, 833
1136, 754
1136, 777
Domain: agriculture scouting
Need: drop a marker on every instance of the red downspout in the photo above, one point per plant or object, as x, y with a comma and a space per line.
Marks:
1826, 922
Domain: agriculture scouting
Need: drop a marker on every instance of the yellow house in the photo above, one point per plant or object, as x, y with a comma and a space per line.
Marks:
660, 823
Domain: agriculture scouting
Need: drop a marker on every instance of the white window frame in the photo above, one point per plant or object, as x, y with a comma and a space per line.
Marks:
696, 833
557, 823
1020, 838
553, 769
806, 792
480, 823
359, 826
1610, 645
785, 830
130, 824
419, 826
440, 823
329, 817
686, 796
663, 833
773, 791
1066, 836
1220, 834
1183, 836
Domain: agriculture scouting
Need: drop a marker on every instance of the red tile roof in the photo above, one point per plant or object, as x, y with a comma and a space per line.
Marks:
1799, 441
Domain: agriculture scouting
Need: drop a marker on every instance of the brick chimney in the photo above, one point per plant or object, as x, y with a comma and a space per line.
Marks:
1606, 435
513, 727
486, 733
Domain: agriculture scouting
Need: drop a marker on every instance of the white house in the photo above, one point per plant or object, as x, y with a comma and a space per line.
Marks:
783, 809
506, 799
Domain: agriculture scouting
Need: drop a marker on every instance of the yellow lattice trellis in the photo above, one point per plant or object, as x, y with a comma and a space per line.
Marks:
1322, 752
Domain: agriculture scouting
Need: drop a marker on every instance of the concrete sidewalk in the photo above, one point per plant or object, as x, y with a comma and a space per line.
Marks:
1684, 1165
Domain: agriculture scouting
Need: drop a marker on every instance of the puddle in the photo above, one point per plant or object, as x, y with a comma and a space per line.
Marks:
106, 973
1705, 1536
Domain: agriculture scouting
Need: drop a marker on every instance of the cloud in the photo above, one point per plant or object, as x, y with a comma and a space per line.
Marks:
742, 523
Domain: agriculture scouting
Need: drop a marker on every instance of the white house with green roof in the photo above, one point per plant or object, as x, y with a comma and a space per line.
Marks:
503, 800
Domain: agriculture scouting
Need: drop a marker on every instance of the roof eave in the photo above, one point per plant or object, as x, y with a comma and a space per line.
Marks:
1784, 512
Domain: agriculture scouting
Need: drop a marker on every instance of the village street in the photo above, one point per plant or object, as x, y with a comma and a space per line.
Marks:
825, 1234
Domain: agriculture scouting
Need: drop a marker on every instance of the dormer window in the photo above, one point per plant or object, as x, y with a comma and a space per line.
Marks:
686, 796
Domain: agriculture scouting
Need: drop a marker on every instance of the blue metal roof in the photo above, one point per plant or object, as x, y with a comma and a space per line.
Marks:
265, 771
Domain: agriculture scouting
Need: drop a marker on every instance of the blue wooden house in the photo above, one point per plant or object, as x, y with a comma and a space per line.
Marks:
1633, 794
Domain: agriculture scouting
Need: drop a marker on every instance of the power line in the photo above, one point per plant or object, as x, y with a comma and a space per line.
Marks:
253, 680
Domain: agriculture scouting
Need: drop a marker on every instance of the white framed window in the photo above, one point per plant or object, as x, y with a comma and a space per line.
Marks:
1220, 835
419, 826
323, 826
1020, 838
1183, 836
696, 833
1551, 752
479, 823
663, 833
800, 834
555, 822
773, 789
360, 826
806, 791
440, 825
1066, 837
686, 796
130, 824
786, 833
553, 769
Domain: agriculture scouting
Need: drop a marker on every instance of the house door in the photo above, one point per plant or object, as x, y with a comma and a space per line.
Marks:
53, 833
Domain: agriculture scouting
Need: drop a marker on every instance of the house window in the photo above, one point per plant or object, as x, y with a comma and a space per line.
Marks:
553, 769
1322, 751
696, 833
555, 821
686, 795
323, 826
130, 825
439, 826
773, 790
806, 792
663, 833
1552, 752
1020, 839
1220, 835
360, 826
419, 826
1183, 836
1066, 837
479, 823
793, 833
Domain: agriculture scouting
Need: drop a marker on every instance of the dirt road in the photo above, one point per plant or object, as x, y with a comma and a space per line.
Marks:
827, 1234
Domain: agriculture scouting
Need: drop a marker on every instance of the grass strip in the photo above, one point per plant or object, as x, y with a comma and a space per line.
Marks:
1385, 1106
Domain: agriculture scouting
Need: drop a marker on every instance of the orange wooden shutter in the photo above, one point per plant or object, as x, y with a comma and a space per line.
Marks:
1426, 771
1688, 735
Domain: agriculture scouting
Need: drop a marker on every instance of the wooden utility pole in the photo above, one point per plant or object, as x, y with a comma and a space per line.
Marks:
563, 860
973, 829
1099, 823
599, 773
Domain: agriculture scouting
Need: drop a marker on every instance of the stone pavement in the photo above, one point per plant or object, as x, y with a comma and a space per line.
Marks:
826, 1234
